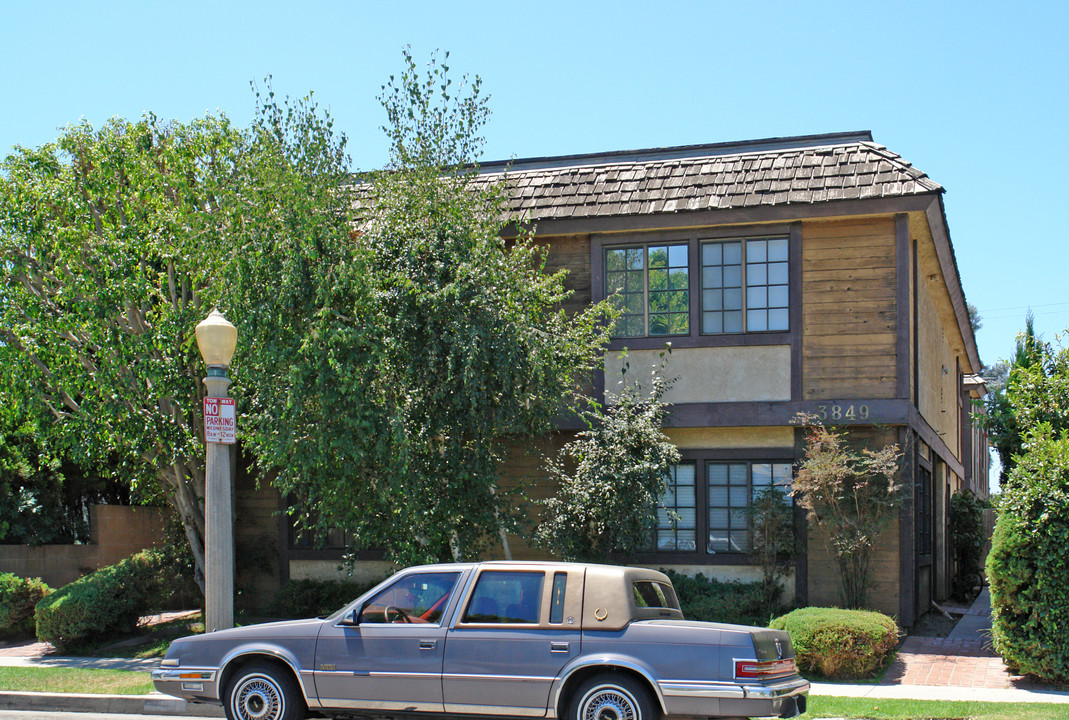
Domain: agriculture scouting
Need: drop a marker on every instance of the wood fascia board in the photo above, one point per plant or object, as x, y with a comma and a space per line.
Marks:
937, 224
935, 441
732, 216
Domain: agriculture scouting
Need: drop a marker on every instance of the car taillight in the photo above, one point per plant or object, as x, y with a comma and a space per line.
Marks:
764, 668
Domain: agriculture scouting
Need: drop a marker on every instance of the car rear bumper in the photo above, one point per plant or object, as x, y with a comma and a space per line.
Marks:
782, 698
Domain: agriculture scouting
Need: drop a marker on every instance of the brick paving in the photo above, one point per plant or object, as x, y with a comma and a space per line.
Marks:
951, 663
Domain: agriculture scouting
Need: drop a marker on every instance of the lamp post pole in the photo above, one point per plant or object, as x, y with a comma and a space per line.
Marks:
217, 339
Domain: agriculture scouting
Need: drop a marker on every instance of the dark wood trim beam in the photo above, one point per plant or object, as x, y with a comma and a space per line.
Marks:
732, 216
694, 341
772, 413
903, 316
801, 536
284, 521
949, 266
794, 254
935, 441
907, 570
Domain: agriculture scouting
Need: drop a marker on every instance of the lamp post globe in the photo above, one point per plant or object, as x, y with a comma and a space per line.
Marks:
216, 340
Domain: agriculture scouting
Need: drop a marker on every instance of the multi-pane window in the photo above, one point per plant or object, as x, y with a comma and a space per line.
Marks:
650, 285
677, 511
923, 497
731, 487
744, 286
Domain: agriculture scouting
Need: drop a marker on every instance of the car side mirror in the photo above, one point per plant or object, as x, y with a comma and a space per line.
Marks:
349, 619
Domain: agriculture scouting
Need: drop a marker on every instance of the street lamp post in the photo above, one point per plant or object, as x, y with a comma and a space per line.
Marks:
216, 339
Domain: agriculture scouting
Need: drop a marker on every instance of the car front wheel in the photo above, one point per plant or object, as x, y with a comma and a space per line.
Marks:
261, 691
612, 696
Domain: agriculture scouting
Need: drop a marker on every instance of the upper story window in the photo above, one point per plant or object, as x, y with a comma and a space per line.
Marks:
650, 284
745, 286
738, 285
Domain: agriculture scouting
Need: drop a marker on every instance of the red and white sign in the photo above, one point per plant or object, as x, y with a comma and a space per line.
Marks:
220, 420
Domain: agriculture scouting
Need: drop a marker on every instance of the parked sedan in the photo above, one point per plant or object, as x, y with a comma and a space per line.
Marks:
553, 640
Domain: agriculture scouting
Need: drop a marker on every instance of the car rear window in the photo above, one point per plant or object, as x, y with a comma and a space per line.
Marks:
652, 594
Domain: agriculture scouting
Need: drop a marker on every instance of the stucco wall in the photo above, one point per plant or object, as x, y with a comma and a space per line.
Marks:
716, 374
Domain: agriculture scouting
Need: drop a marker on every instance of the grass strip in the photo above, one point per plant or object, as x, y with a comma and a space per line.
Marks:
75, 680
823, 706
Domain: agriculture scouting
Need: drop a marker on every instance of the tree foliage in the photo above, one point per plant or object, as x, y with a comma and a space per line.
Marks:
1036, 391
1028, 563
967, 540
611, 478
415, 348
852, 495
110, 250
773, 547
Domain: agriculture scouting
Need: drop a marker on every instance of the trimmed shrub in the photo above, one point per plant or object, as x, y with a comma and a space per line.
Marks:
709, 600
312, 598
839, 644
1028, 564
18, 596
105, 603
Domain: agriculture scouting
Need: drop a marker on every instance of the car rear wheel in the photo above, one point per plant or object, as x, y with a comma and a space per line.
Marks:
262, 691
612, 696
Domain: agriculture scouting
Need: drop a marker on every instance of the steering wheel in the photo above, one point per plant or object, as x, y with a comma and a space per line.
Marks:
398, 613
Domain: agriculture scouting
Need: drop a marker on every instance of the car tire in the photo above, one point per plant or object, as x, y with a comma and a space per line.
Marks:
612, 696
263, 691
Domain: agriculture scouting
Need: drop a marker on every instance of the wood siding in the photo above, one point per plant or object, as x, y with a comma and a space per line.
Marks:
848, 309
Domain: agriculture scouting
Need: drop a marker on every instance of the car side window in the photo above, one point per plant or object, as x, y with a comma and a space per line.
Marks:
506, 597
420, 598
648, 594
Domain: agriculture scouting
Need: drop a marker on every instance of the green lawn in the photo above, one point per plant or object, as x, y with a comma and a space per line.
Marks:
75, 680
879, 709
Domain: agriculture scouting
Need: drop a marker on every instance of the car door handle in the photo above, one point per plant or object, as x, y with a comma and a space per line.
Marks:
428, 644
559, 647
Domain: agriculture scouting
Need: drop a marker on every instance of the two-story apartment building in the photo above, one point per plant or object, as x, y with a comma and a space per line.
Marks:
794, 275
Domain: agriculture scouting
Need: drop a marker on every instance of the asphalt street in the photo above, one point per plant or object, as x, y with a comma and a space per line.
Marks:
35, 715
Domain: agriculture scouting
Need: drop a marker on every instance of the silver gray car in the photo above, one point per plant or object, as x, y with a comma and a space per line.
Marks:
518, 639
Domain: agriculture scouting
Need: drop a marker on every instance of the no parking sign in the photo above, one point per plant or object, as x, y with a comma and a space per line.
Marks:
220, 420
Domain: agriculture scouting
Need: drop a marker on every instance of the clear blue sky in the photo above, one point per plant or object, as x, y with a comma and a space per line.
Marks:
973, 93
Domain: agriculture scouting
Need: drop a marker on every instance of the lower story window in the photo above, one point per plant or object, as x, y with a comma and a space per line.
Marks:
705, 507
731, 489
677, 511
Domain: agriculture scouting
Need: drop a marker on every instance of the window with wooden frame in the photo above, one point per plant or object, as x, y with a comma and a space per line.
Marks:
650, 285
722, 287
704, 510
745, 285
731, 488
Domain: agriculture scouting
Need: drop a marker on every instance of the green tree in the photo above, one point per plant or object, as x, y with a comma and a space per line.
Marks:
852, 495
1036, 391
111, 247
412, 348
611, 478
773, 547
1028, 563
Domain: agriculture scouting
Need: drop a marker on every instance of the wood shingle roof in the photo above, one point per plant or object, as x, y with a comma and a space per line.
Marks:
809, 169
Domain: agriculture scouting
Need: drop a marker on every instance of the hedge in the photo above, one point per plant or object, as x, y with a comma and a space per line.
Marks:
1028, 564
839, 644
104, 603
18, 596
709, 600
311, 598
